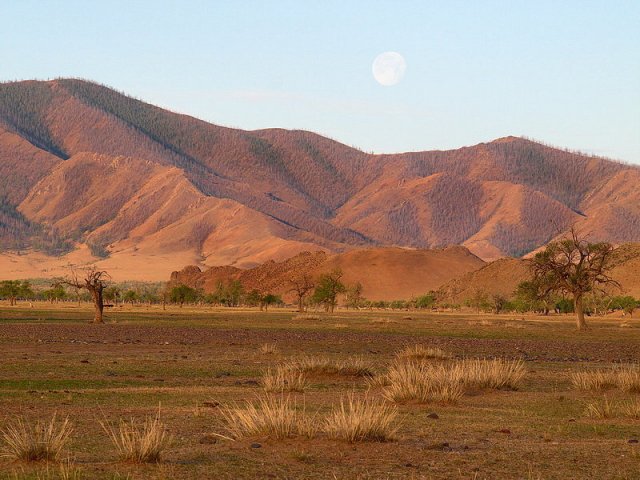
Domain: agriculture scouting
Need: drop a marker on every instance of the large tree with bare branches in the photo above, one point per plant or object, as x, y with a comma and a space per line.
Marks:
301, 285
575, 267
92, 280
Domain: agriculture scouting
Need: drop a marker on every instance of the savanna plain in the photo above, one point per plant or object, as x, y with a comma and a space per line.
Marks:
548, 402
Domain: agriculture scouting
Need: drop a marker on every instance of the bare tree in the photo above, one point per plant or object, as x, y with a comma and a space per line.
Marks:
574, 266
92, 280
302, 285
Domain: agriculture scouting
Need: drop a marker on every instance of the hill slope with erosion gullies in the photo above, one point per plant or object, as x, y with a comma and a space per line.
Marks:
86, 171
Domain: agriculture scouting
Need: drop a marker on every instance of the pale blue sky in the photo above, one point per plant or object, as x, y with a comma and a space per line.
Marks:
564, 72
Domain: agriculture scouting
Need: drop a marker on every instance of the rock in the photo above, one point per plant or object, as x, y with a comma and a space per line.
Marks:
433, 415
208, 440
84, 361
506, 431
633, 440
256, 445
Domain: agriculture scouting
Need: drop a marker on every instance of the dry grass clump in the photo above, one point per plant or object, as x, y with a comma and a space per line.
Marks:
35, 442
631, 408
283, 378
307, 316
423, 383
446, 383
139, 443
276, 417
351, 367
625, 377
269, 348
600, 408
628, 378
365, 419
497, 373
418, 353
596, 380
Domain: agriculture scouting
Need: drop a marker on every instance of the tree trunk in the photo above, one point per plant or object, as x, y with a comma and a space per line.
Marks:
98, 303
300, 303
577, 303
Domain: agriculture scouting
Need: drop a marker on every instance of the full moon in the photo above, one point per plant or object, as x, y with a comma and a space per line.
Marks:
388, 68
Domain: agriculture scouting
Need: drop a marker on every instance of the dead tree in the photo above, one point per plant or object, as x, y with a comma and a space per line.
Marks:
92, 280
301, 285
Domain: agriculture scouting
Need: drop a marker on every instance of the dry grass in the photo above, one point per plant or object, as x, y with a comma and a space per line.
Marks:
351, 367
273, 416
283, 378
596, 380
35, 442
446, 383
422, 382
269, 348
631, 408
418, 353
365, 419
307, 317
139, 443
600, 408
625, 377
497, 373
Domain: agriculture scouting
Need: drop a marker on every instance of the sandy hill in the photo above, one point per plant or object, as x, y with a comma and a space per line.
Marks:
385, 273
83, 165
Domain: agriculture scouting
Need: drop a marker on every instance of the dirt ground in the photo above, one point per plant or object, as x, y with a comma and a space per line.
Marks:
191, 361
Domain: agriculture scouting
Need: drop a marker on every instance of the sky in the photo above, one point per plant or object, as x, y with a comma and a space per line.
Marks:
563, 72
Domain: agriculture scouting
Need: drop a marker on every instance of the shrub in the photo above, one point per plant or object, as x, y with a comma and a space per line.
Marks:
40, 441
631, 408
357, 420
275, 417
139, 444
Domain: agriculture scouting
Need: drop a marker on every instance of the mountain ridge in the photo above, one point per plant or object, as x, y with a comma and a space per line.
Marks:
290, 189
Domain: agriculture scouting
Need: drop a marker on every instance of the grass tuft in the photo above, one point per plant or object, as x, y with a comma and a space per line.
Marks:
269, 348
422, 382
496, 374
600, 408
350, 367
419, 353
273, 416
625, 377
283, 378
139, 443
40, 441
364, 419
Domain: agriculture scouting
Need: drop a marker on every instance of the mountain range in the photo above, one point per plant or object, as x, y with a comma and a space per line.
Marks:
88, 173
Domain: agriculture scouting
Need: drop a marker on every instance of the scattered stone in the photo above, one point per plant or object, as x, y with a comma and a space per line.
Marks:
506, 431
407, 318
571, 420
433, 415
633, 440
256, 445
208, 440
84, 361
